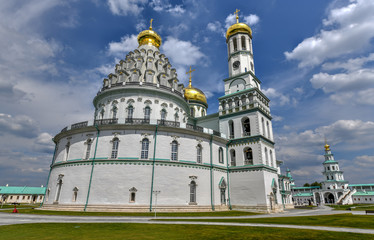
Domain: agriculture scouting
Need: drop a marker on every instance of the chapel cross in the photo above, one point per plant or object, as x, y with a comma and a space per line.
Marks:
150, 27
189, 72
237, 15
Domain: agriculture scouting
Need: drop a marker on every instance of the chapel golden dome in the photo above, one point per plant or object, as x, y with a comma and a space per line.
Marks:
149, 37
327, 147
238, 28
194, 94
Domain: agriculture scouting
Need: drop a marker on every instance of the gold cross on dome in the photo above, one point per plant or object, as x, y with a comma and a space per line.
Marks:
189, 72
150, 27
237, 15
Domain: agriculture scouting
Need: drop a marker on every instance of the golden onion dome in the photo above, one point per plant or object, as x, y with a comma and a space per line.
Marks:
238, 28
149, 37
327, 147
194, 94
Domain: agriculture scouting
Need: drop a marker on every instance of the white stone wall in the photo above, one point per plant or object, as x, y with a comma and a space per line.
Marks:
112, 181
363, 199
139, 101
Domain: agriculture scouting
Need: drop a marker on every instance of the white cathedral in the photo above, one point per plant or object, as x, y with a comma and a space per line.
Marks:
152, 145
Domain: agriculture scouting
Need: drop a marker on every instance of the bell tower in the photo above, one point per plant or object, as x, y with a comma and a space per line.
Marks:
244, 116
239, 48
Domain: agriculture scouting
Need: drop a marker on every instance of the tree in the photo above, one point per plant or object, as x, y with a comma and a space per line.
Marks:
306, 185
315, 184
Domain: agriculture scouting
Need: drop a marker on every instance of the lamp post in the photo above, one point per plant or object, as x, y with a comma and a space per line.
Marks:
156, 192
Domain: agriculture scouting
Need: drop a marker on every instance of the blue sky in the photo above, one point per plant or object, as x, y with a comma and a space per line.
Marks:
314, 58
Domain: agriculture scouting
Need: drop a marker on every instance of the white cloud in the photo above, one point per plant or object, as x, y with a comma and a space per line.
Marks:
230, 20
251, 19
277, 97
349, 29
165, 6
44, 143
361, 79
181, 52
140, 26
126, 7
350, 65
120, 49
354, 87
365, 161
21, 125
214, 26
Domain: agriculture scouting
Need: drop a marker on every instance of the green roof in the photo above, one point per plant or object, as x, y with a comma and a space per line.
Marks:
303, 195
362, 185
312, 187
363, 193
22, 190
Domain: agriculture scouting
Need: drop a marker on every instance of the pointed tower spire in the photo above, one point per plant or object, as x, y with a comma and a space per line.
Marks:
237, 15
189, 72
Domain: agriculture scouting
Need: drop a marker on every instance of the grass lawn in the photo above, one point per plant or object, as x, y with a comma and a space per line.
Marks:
128, 231
353, 207
337, 220
138, 214
5, 206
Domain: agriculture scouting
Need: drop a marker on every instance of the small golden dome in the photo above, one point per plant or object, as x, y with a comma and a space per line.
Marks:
149, 37
327, 147
194, 94
238, 27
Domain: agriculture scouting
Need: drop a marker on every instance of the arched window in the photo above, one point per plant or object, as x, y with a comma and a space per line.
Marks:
193, 192
248, 156
263, 127
102, 113
246, 127
235, 44
130, 112
163, 115
115, 143
268, 129
192, 111
220, 155
231, 129
147, 113
145, 147
88, 149
174, 151
75, 194
252, 67
243, 43
67, 150
133, 191
266, 157
199, 153
271, 159
114, 110
176, 117
202, 112
59, 185
233, 157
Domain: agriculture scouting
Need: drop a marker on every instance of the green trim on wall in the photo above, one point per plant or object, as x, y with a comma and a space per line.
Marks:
211, 172
243, 112
92, 169
133, 158
228, 176
250, 139
153, 168
49, 174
